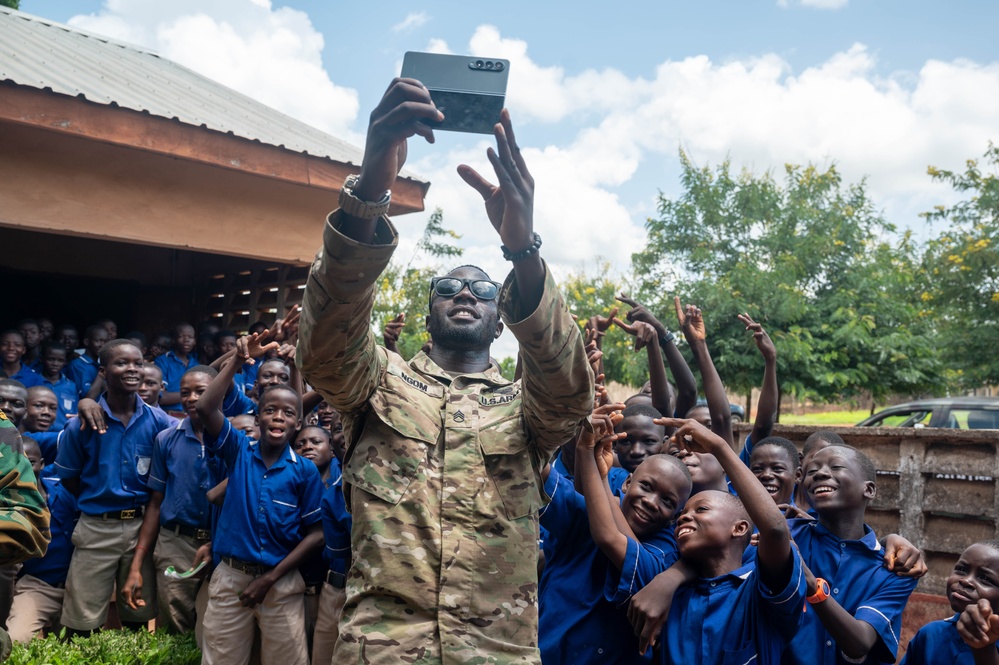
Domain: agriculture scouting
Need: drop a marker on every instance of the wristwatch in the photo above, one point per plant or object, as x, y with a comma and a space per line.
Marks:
355, 207
821, 592
667, 338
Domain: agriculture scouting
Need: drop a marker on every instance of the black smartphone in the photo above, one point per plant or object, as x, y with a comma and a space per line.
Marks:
469, 91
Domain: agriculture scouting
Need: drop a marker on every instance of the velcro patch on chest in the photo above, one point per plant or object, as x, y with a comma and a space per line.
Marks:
496, 400
432, 389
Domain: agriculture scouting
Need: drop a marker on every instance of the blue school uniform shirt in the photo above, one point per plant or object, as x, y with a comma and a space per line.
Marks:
860, 583
265, 510
733, 619
235, 403
66, 399
53, 567
82, 371
616, 477
173, 369
27, 376
112, 467
48, 443
180, 471
336, 522
583, 597
939, 643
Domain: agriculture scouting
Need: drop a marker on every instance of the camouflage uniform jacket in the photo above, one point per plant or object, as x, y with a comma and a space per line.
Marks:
442, 473
24, 515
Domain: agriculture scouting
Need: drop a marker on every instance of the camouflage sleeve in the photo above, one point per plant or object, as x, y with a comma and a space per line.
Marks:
337, 352
557, 381
24, 517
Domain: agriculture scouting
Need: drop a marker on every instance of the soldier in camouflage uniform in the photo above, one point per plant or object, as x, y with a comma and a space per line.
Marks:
24, 516
442, 474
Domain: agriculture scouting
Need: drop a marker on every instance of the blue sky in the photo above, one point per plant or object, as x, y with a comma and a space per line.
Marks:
605, 94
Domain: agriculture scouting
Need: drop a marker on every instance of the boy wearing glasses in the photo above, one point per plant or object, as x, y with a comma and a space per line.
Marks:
443, 467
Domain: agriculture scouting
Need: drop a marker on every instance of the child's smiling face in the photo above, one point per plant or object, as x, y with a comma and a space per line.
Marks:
975, 576
777, 473
653, 494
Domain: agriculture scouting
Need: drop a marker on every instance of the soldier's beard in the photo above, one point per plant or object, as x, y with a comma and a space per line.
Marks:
460, 337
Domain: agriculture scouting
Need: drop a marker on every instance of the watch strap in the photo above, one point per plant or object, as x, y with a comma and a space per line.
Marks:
821, 592
351, 205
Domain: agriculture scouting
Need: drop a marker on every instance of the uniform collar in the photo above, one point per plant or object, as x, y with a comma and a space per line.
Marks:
868, 541
421, 362
733, 577
140, 406
288, 455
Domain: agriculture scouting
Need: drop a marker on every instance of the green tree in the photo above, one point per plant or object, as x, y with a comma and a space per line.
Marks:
963, 262
589, 295
13, 4
404, 288
810, 258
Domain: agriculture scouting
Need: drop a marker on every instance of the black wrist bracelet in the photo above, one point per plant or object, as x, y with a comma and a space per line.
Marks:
667, 338
523, 254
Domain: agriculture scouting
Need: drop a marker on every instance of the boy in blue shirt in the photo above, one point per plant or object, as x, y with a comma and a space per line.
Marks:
174, 363
273, 498
968, 637
83, 370
597, 564
107, 472
720, 610
41, 583
11, 365
857, 603
53, 362
177, 518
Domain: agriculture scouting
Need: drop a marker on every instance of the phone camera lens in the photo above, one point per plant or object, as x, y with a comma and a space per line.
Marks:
478, 64
499, 66
489, 64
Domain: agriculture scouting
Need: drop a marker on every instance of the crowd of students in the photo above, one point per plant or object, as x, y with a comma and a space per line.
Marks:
663, 539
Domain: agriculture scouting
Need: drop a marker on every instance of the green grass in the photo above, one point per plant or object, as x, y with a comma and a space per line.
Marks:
110, 647
827, 419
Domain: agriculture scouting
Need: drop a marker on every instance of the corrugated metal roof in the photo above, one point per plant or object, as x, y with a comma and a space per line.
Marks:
39, 53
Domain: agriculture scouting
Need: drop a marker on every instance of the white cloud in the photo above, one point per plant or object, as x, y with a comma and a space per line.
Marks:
412, 21
272, 55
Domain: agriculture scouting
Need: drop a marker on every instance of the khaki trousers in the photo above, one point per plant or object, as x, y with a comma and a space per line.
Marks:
176, 598
37, 605
229, 627
327, 624
103, 555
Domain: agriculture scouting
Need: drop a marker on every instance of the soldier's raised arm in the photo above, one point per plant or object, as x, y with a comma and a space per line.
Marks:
336, 348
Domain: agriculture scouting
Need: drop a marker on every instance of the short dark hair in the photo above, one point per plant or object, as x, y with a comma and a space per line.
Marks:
674, 461
782, 443
11, 331
822, 436
280, 386
52, 345
91, 329
868, 471
26, 322
176, 328
14, 383
641, 410
329, 436
104, 356
469, 265
222, 334
201, 369
135, 334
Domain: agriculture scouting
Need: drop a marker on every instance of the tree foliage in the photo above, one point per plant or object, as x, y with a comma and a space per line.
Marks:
13, 4
808, 256
963, 261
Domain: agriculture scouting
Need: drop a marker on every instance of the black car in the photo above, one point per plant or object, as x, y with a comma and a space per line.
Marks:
952, 412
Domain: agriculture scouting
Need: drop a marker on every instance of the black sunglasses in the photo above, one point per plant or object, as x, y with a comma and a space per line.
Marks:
447, 287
